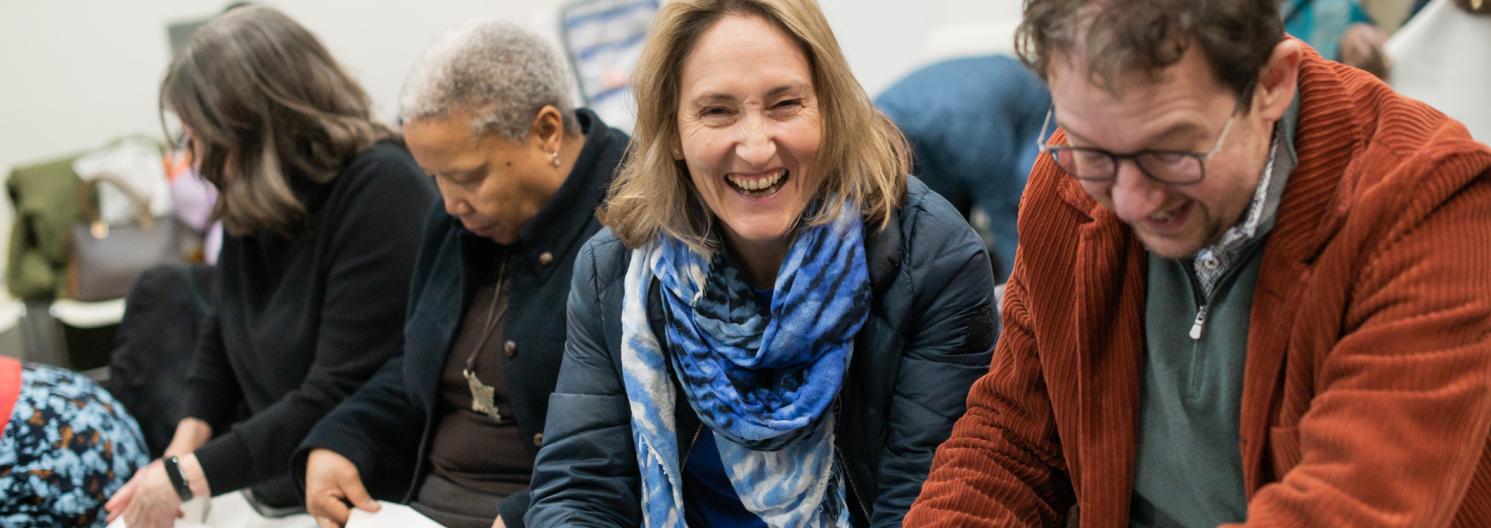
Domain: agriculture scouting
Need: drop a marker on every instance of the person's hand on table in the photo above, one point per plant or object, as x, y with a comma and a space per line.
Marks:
149, 500
331, 482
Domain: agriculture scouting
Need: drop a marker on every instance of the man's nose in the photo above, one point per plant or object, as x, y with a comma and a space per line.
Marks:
1135, 196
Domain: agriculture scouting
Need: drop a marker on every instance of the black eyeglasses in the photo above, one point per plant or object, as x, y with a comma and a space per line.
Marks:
1174, 167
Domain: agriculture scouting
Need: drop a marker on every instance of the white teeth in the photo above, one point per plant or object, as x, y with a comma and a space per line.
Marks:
757, 184
1164, 216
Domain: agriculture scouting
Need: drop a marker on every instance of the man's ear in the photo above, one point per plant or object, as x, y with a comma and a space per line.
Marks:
1279, 80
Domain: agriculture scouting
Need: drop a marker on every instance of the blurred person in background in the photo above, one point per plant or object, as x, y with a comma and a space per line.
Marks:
322, 207
972, 124
1339, 30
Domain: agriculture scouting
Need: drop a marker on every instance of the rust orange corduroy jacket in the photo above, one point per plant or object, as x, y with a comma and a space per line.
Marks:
1367, 384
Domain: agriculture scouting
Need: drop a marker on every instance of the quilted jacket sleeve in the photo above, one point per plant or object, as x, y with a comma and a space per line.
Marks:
586, 472
948, 347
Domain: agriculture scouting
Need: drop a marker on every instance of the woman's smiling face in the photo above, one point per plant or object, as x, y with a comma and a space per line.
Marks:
749, 128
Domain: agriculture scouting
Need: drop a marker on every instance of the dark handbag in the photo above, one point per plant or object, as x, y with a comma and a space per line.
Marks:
105, 260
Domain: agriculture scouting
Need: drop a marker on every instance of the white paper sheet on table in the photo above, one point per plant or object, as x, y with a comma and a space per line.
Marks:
390, 515
230, 510
119, 523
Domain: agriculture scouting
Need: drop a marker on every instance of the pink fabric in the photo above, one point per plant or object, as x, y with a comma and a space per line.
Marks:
194, 198
10, 388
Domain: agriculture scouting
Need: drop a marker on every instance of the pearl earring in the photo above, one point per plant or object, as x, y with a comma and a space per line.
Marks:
554, 157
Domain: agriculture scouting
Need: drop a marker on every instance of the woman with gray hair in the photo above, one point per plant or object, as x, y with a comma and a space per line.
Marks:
452, 426
322, 206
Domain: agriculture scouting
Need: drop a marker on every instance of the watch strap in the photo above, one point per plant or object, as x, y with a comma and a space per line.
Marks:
173, 472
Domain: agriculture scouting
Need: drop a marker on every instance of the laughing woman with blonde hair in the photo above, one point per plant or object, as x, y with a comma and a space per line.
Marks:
779, 325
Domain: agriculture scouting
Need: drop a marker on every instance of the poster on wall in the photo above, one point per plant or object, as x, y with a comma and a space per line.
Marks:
603, 39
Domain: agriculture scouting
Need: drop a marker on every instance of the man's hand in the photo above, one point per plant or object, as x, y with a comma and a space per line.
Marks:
331, 482
1364, 47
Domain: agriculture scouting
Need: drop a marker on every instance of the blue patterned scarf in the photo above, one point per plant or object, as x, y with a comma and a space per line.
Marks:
761, 379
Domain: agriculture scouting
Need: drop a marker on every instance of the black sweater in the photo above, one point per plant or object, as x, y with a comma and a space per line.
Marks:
304, 321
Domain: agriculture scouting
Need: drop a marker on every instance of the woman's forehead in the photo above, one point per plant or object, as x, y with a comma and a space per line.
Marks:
744, 49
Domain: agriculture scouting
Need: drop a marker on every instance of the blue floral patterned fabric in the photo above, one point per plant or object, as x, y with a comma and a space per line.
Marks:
68, 447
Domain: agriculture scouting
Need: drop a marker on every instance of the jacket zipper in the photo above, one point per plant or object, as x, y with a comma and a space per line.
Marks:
1199, 324
695, 440
1203, 301
848, 478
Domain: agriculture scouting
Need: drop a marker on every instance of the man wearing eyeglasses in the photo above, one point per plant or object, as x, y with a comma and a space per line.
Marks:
1251, 290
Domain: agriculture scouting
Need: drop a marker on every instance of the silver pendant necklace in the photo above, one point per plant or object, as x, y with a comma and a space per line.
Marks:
483, 396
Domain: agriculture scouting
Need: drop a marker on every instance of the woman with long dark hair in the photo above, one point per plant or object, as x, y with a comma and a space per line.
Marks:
323, 207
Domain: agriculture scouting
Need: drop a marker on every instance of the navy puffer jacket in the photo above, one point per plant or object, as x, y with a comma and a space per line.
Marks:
930, 334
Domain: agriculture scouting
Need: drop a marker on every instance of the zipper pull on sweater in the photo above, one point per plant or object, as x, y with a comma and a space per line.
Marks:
1199, 324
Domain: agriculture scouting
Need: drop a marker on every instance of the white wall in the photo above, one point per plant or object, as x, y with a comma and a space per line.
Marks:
77, 73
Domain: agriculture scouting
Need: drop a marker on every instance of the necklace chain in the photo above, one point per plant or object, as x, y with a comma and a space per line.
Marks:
483, 396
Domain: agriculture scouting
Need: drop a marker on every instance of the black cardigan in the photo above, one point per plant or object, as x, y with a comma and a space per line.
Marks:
385, 428
303, 321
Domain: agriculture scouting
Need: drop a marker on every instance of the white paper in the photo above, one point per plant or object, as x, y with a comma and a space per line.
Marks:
230, 510
390, 515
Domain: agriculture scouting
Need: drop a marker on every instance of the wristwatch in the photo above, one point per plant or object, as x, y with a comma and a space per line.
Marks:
173, 472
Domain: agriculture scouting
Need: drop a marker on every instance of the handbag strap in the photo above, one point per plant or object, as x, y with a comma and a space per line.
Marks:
140, 202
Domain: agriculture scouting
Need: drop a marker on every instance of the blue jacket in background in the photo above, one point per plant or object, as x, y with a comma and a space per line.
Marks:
930, 334
972, 123
1322, 23
385, 428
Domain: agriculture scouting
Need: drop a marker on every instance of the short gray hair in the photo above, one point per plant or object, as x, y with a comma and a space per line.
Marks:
500, 72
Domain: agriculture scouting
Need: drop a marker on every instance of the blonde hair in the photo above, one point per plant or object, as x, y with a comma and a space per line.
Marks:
863, 159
